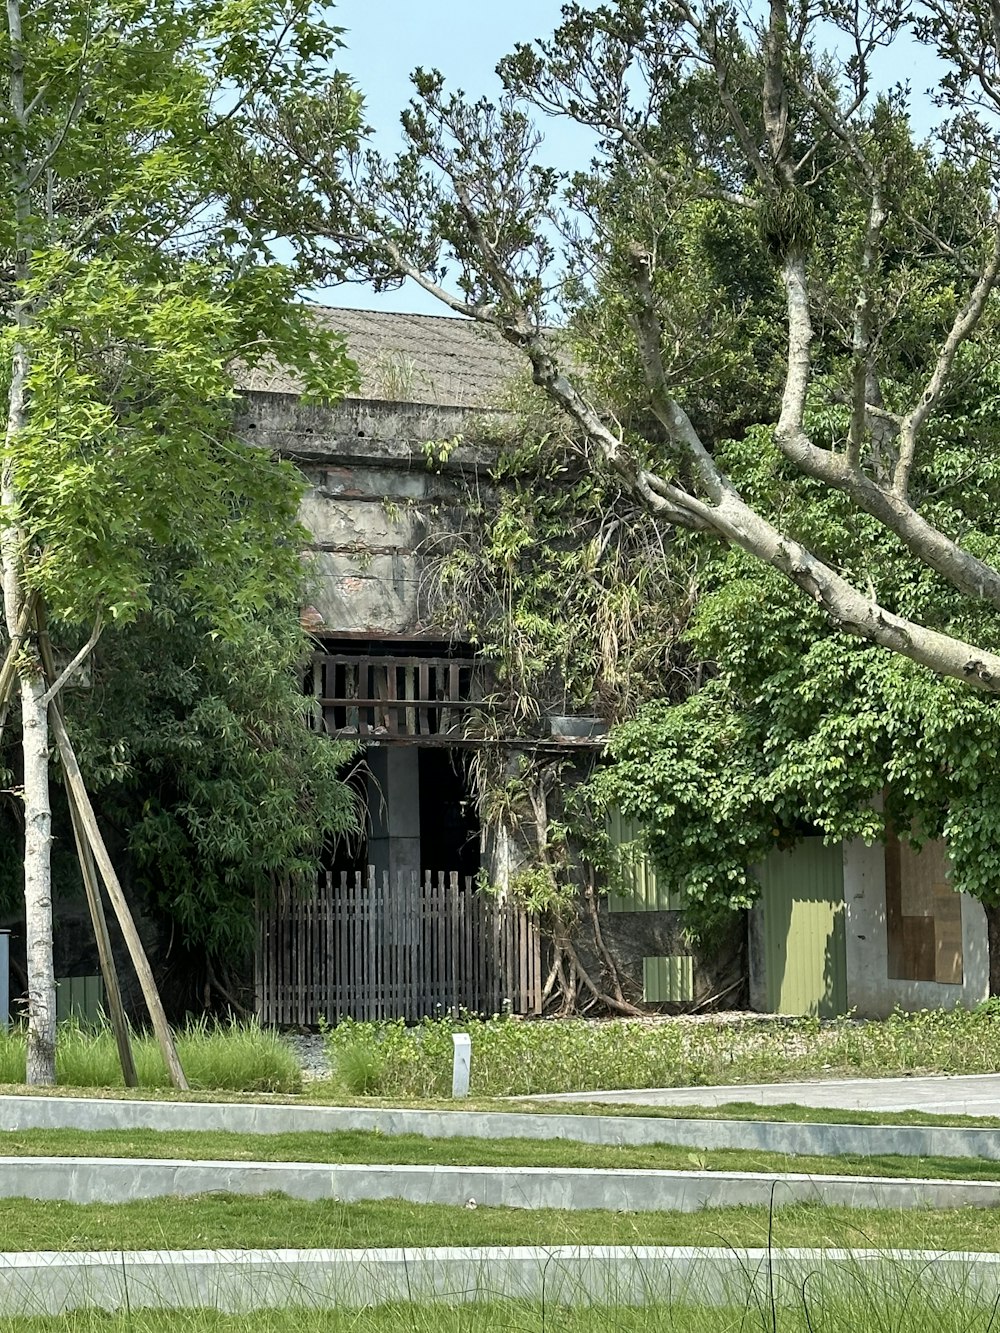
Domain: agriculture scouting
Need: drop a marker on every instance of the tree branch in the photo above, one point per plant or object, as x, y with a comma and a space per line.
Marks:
964, 326
76, 663
862, 335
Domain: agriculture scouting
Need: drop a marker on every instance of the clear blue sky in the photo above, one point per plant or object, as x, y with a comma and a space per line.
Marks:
387, 39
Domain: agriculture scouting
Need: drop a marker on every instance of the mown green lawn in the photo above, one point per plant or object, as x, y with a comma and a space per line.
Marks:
231, 1221
361, 1146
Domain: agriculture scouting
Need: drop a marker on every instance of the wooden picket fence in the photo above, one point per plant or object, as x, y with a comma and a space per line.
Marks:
362, 949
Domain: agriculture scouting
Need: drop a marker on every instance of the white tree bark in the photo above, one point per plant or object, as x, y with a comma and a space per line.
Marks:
34, 712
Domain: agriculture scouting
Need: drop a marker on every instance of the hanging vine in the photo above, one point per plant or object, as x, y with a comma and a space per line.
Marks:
573, 599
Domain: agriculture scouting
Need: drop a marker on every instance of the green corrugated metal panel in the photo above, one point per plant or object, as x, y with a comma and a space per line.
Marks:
668, 980
641, 891
805, 955
81, 998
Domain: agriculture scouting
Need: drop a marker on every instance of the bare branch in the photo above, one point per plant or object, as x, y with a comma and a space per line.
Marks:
676, 422
798, 369
74, 666
964, 326
862, 336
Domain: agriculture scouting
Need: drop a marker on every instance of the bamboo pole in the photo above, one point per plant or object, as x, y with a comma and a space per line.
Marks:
90, 840
92, 835
112, 990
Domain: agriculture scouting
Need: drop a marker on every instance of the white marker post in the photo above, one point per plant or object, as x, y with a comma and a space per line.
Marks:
460, 1068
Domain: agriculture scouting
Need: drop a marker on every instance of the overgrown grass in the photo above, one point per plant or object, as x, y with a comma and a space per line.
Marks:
899, 1311
374, 1148
276, 1221
511, 1057
236, 1057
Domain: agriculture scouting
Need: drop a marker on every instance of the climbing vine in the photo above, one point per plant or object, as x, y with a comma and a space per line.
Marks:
577, 604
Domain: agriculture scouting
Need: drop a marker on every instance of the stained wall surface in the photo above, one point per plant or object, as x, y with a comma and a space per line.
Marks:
375, 509
872, 991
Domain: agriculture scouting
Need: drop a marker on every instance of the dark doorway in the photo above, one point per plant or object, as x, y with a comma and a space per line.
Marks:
449, 825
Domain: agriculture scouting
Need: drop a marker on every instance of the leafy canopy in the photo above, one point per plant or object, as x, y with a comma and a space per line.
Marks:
139, 298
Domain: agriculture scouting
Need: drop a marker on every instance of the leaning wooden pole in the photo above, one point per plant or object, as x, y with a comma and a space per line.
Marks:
8, 671
92, 836
112, 990
92, 887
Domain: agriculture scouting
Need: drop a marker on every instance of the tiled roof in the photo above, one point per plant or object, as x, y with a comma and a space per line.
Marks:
414, 358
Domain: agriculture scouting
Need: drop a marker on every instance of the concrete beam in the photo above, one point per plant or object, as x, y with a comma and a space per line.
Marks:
118, 1180
23, 1113
243, 1280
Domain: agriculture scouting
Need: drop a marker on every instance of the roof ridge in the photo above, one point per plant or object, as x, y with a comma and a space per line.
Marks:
404, 314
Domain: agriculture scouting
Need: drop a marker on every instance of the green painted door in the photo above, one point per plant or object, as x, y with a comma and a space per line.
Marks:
805, 955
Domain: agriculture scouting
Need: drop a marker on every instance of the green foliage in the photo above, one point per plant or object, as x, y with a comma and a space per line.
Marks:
233, 1058
138, 280
514, 1057
716, 297
198, 751
803, 726
560, 581
142, 297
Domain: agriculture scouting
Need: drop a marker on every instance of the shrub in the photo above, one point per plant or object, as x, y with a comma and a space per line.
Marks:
512, 1057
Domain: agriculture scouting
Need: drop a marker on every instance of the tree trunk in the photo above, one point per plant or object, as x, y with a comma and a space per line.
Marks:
38, 882
34, 716
992, 911
35, 748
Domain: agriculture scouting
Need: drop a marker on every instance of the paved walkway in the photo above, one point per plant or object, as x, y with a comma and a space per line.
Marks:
946, 1094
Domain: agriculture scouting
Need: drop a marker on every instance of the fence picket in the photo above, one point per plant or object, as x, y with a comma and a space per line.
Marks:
368, 947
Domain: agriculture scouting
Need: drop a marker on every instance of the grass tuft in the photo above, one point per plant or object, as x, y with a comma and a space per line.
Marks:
360, 1069
226, 1057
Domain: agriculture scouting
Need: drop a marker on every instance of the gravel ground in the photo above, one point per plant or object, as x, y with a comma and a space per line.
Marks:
311, 1051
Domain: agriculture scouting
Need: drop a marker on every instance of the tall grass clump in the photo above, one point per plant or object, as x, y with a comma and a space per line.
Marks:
922, 1312
512, 1057
229, 1057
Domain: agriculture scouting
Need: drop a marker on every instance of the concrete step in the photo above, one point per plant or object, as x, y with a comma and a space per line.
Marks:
118, 1180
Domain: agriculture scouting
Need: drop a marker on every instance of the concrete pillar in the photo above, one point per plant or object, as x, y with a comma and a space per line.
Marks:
394, 810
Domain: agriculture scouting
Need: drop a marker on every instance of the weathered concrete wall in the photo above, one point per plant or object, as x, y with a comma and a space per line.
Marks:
756, 959
374, 507
870, 990
719, 971
357, 428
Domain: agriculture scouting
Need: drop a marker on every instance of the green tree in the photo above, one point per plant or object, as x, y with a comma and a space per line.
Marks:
129, 298
467, 212
198, 755
863, 326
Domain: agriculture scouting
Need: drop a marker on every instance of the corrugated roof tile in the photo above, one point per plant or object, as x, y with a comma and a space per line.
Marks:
413, 358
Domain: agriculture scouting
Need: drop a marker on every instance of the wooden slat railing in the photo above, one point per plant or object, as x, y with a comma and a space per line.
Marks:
393, 696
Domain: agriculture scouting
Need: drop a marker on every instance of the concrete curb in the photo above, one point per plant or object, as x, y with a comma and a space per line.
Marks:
242, 1280
21, 1113
120, 1179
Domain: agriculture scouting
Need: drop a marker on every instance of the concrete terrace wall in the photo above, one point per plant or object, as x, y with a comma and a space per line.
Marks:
373, 506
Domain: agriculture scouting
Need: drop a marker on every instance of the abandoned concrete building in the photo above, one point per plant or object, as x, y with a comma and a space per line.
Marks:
386, 675
399, 926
